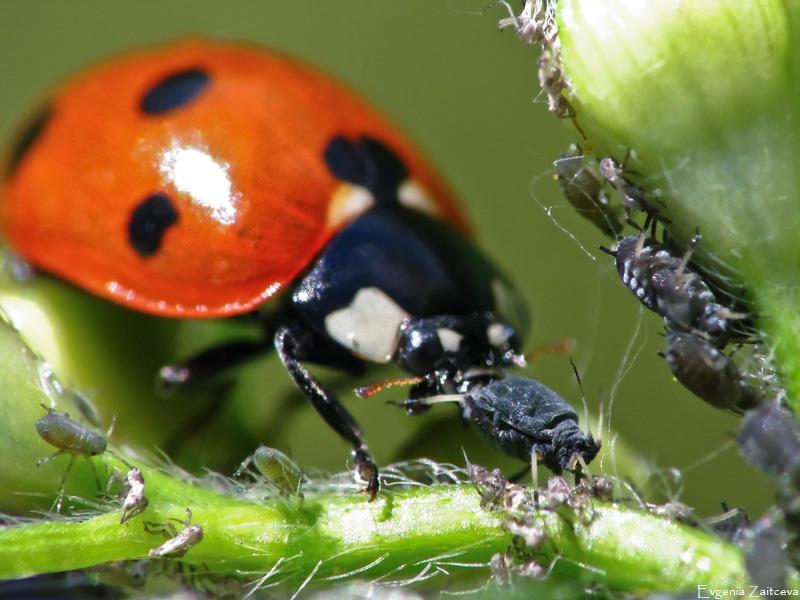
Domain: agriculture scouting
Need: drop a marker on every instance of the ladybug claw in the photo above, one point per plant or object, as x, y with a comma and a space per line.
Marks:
366, 471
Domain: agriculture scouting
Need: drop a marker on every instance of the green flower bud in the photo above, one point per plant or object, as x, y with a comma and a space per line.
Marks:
704, 95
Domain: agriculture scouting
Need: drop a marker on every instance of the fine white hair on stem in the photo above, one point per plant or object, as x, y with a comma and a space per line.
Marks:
357, 570
257, 585
306, 580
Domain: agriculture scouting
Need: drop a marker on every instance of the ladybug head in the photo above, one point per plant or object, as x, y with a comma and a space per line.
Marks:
461, 346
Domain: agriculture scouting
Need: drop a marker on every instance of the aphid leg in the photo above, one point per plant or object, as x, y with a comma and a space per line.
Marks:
291, 345
47, 459
60, 498
94, 470
535, 469
687, 256
166, 529
629, 220
243, 466
579, 467
185, 522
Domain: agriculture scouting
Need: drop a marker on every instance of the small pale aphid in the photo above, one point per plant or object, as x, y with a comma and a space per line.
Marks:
582, 185
70, 437
630, 194
277, 469
178, 543
134, 501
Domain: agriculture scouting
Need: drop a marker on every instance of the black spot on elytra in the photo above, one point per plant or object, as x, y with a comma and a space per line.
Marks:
27, 138
149, 220
366, 162
174, 91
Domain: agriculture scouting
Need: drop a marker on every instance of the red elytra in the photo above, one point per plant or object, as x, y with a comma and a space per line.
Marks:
242, 162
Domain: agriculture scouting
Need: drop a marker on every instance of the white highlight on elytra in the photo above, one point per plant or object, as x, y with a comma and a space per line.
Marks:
370, 326
348, 202
193, 171
413, 195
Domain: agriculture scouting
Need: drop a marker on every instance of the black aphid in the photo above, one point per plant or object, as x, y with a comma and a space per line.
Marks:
526, 420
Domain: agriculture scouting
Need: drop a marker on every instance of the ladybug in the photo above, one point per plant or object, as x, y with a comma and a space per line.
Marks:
207, 180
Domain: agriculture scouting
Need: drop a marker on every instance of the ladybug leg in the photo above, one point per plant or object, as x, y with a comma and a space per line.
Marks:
296, 343
208, 363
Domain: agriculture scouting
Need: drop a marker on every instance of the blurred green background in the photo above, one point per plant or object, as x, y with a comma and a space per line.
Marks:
468, 95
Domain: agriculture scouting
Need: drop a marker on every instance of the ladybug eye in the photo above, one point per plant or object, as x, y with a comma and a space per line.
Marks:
28, 137
149, 221
174, 91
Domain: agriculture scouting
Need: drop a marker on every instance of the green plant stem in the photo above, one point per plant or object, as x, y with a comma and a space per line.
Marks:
336, 533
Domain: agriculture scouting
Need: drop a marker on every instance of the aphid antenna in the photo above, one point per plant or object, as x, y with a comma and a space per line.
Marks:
51, 409
548, 210
583, 395
119, 458
608, 251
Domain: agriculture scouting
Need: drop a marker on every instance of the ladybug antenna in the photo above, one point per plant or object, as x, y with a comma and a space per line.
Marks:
561, 347
367, 391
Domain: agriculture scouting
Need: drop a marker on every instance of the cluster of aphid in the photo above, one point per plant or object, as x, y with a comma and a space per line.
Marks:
522, 508
770, 441
769, 545
536, 24
71, 438
698, 329
698, 326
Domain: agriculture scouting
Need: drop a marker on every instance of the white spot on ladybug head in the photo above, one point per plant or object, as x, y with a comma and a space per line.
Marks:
193, 171
449, 339
497, 334
348, 202
413, 195
369, 326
